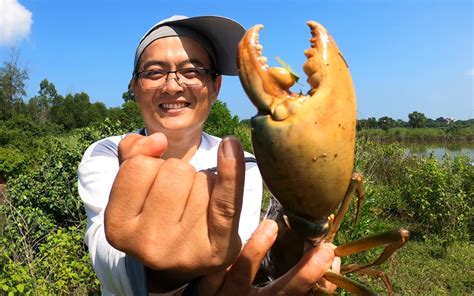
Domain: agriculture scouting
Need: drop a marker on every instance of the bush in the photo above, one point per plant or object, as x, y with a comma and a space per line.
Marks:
53, 186
59, 267
220, 122
243, 134
433, 197
12, 162
44, 223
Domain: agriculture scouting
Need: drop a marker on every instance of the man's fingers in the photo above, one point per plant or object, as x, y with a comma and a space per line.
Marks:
209, 285
170, 192
226, 199
126, 204
336, 267
301, 278
198, 201
134, 144
242, 273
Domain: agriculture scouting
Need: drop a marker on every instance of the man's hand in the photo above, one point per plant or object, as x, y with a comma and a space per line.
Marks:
177, 221
299, 280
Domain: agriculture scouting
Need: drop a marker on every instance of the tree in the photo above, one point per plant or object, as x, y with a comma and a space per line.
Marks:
97, 113
39, 106
220, 122
246, 122
417, 119
386, 123
128, 95
440, 122
71, 111
129, 115
12, 87
371, 122
400, 123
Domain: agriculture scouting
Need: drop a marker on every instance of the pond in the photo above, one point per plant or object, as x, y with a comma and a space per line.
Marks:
440, 149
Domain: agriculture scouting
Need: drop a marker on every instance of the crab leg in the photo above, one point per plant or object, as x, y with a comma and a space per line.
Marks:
344, 283
354, 186
394, 240
375, 273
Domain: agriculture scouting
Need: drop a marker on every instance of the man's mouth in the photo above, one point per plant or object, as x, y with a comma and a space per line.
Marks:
171, 106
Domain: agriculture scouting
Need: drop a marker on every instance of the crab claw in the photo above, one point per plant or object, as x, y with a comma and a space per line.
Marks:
304, 144
267, 87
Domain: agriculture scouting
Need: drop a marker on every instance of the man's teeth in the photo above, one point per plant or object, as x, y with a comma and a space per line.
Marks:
174, 105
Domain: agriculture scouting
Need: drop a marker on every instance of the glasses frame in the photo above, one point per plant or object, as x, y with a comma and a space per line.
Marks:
139, 76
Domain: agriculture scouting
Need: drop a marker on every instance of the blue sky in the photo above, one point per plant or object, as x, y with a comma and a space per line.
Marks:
404, 56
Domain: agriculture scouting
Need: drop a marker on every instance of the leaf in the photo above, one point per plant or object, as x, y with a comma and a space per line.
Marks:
20, 288
288, 68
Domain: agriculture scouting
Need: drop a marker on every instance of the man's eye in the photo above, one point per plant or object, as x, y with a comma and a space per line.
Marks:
154, 74
190, 73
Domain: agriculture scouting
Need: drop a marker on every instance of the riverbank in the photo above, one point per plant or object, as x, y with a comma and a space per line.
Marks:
418, 135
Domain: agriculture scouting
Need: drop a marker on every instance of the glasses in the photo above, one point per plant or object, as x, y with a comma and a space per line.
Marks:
187, 77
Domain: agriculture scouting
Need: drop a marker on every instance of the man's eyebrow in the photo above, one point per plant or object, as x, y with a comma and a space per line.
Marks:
153, 63
193, 61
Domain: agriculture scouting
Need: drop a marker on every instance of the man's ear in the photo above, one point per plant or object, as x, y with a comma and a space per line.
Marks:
216, 87
133, 85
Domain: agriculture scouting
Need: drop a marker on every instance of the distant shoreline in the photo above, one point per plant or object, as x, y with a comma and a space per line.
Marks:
419, 135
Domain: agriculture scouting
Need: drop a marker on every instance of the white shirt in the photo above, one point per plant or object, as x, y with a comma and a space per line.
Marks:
96, 174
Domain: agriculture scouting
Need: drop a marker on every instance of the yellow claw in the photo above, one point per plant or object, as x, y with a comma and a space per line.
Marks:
304, 144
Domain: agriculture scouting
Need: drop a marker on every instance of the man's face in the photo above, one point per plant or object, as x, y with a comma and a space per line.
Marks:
174, 107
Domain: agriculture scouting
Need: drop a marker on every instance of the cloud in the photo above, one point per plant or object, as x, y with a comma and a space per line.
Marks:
470, 72
15, 22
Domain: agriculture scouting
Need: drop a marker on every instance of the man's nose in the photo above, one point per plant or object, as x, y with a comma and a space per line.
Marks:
172, 84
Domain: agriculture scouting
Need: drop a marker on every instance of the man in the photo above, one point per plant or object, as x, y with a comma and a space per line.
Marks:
169, 207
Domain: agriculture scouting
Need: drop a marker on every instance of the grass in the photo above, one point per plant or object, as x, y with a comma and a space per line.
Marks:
421, 268
424, 268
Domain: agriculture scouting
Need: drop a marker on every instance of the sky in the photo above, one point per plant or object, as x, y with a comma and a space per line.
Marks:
404, 56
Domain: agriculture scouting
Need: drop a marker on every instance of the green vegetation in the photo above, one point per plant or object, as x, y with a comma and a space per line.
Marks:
42, 220
433, 199
417, 129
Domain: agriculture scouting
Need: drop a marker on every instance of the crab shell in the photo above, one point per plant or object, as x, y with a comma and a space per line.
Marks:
304, 144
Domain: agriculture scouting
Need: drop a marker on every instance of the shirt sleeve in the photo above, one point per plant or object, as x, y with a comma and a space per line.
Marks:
251, 207
96, 174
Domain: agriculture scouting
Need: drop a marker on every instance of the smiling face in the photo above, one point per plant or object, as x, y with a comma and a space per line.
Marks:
175, 108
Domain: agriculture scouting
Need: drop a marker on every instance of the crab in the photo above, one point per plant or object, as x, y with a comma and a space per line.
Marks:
304, 145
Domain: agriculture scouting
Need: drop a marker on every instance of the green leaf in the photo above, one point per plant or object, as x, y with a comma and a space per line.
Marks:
288, 68
20, 287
